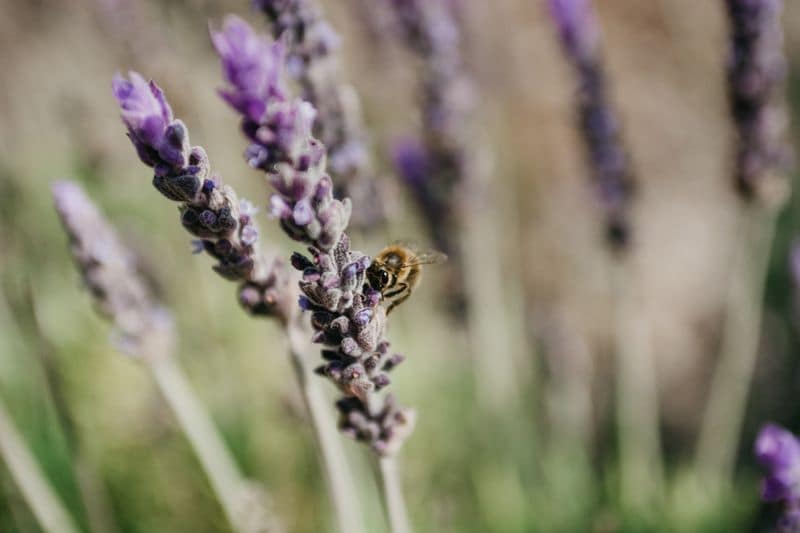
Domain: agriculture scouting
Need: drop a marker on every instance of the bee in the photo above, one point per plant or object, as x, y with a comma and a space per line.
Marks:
396, 271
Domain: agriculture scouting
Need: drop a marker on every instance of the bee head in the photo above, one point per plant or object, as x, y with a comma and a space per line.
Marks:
377, 276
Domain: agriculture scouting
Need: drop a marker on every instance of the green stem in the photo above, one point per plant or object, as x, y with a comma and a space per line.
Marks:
337, 472
238, 498
641, 467
35, 488
727, 401
392, 492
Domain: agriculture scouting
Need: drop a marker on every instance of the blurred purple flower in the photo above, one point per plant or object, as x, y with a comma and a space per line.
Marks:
756, 79
109, 269
778, 452
438, 169
251, 65
311, 44
608, 161
576, 25
411, 159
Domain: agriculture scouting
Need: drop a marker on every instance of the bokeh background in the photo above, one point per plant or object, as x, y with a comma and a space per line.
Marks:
465, 469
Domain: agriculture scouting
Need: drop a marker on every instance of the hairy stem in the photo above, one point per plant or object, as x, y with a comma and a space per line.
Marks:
46, 507
337, 472
641, 467
727, 400
392, 493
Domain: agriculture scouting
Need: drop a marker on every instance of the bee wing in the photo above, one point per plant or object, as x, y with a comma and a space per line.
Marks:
428, 257
410, 244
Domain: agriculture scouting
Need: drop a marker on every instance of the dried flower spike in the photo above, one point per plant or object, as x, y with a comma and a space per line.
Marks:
224, 224
141, 326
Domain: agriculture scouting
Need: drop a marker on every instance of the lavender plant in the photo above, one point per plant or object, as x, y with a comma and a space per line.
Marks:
144, 329
756, 79
141, 325
436, 167
611, 174
225, 225
778, 452
345, 311
312, 59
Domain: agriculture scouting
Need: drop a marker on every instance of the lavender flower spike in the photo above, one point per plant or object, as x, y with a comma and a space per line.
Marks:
311, 46
778, 452
145, 329
756, 76
224, 225
438, 167
282, 145
346, 314
610, 167
141, 326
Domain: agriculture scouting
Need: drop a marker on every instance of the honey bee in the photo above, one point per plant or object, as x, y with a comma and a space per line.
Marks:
396, 271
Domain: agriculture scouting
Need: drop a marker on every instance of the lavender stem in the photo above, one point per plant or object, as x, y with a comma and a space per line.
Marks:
341, 486
641, 464
238, 497
45, 505
392, 492
727, 401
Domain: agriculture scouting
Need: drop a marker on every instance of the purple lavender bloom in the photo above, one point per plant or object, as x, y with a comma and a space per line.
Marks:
576, 25
251, 65
160, 140
253, 68
109, 270
283, 147
610, 168
346, 314
756, 78
300, 23
209, 210
311, 45
778, 452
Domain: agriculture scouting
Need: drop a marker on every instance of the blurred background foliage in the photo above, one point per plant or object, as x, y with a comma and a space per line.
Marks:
465, 469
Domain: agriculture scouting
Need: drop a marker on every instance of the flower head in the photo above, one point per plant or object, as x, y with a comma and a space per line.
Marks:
210, 210
575, 22
160, 141
756, 85
144, 109
778, 452
251, 65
